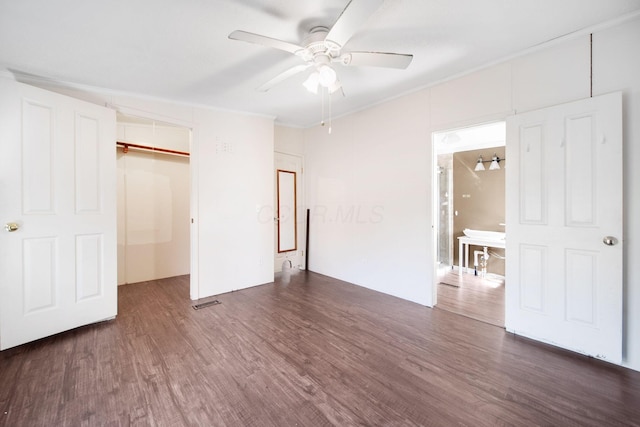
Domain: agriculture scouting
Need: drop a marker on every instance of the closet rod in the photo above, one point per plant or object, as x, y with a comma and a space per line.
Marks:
127, 145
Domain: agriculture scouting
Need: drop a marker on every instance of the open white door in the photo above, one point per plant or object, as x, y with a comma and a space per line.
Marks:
57, 186
564, 226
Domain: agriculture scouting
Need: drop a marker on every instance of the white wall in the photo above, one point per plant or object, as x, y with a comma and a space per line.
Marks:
235, 179
377, 164
617, 67
367, 185
289, 140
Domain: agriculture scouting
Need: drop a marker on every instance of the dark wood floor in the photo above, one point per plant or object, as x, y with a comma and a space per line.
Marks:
308, 351
473, 296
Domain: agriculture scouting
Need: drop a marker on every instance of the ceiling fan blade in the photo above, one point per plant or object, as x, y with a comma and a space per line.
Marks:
376, 59
283, 76
265, 41
353, 16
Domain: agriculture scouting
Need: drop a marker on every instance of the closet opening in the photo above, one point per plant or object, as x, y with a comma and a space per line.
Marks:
469, 195
154, 192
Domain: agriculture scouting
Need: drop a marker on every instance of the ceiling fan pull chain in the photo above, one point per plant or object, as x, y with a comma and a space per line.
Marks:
322, 104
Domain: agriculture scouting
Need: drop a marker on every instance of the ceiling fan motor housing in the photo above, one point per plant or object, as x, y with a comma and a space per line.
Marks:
317, 48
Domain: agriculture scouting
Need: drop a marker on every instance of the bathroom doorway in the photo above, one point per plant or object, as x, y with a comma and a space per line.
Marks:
469, 195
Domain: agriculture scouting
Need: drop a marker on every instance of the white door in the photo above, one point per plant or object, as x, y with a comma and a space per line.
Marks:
57, 185
287, 216
564, 226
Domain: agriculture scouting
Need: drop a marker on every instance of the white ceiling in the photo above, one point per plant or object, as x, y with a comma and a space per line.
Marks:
179, 50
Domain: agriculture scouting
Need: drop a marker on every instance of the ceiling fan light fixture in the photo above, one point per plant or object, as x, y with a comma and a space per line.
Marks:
326, 76
336, 86
312, 82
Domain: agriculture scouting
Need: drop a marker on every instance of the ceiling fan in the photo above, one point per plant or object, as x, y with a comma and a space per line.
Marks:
324, 46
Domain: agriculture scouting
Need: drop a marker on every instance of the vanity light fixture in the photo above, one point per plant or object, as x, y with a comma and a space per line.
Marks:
495, 163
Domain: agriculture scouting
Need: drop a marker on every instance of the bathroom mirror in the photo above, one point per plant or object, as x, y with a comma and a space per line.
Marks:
286, 215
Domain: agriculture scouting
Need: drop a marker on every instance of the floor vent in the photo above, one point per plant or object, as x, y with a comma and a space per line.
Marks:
206, 304
449, 284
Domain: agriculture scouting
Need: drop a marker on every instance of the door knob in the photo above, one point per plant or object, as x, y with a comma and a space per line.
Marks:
11, 226
609, 240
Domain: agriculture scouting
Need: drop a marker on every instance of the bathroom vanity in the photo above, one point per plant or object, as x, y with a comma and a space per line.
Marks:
489, 239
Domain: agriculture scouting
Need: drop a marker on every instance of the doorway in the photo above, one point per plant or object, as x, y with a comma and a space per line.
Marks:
288, 220
469, 194
153, 199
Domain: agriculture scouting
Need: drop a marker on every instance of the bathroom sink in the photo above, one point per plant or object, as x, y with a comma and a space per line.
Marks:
483, 234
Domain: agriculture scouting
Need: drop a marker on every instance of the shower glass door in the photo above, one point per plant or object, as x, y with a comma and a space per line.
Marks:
445, 211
